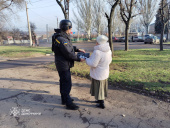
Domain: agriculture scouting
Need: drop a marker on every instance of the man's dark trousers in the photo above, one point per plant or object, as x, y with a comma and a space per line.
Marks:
65, 86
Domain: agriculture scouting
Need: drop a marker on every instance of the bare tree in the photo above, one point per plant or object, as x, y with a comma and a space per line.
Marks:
84, 10
1, 24
104, 27
148, 10
64, 5
110, 22
134, 24
168, 24
5, 4
33, 27
77, 22
164, 14
98, 15
15, 33
3, 34
117, 23
127, 7
118, 26
7, 8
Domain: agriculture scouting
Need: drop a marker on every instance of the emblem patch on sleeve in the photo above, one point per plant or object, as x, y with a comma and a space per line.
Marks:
65, 43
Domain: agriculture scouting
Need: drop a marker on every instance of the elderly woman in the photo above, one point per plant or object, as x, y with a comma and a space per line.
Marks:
99, 72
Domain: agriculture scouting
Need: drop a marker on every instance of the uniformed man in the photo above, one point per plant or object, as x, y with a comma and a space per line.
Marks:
64, 60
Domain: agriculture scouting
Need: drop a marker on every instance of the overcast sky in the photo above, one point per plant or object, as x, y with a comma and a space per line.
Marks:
41, 12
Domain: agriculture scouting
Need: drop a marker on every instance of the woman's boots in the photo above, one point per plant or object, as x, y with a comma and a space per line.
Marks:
101, 104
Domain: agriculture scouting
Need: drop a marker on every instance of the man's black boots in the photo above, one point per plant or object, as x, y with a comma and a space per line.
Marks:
72, 106
63, 101
101, 104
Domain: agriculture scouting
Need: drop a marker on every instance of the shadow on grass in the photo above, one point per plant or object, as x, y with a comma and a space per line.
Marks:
124, 61
158, 90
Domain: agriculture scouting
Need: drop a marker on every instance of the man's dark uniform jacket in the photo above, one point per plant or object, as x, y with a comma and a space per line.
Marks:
64, 51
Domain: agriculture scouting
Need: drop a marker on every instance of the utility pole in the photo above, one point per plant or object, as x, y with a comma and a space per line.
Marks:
30, 36
47, 33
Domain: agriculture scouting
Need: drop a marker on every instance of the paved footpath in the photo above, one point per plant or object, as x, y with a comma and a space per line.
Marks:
29, 98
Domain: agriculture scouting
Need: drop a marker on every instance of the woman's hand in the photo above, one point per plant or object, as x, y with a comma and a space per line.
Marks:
81, 50
82, 59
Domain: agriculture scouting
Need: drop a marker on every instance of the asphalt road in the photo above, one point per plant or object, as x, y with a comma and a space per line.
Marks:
88, 46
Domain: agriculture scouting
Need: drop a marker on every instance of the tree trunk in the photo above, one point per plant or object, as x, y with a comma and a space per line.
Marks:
146, 29
99, 31
78, 36
126, 37
110, 37
89, 33
162, 35
167, 37
110, 25
65, 15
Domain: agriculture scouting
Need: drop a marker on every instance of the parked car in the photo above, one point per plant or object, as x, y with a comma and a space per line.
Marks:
130, 39
151, 40
121, 39
115, 39
164, 39
147, 35
138, 39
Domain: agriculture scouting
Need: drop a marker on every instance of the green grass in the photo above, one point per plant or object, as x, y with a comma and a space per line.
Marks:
166, 42
142, 69
76, 41
22, 51
149, 69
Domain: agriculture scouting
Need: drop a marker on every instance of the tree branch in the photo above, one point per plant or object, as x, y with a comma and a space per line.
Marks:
166, 22
107, 16
62, 7
8, 5
121, 13
136, 15
113, 7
